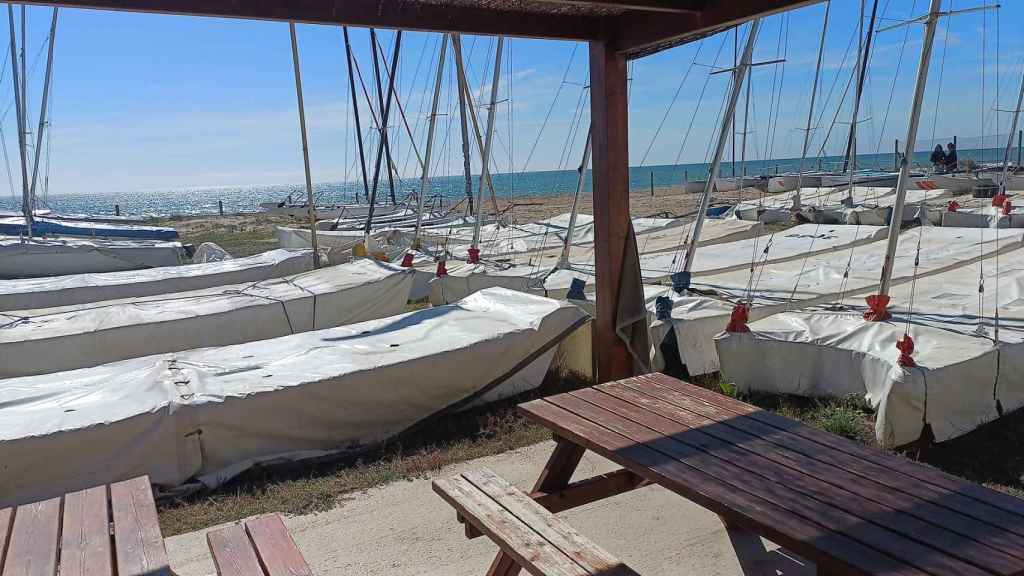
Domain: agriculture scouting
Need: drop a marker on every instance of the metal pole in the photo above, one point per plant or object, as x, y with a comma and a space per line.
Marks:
851, 143
1020, 146
915, 117
1009, 141
310, 200
464, 124
355, 112
425, 179
26, 198
810, 110
383, 122
563, 261
42, 110
380, 104
738, 75
485, 157
896, 156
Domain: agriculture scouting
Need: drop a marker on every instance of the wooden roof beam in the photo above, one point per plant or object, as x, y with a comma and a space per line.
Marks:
638, 34
672, 6
420, 16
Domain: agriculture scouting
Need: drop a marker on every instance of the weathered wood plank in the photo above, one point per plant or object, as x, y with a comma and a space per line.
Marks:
138, 544
515, 538
930, 475
804, 537
825, 464
551, 528
275, 547
233, 552
6, 517
896, 472
85, 534
32, 550
743, 454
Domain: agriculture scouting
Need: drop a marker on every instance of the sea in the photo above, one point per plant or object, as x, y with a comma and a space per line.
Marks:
206, 200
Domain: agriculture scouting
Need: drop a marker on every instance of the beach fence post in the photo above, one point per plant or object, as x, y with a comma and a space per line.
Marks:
652, 183
1020, 145
220, 207
117, 209
896, 156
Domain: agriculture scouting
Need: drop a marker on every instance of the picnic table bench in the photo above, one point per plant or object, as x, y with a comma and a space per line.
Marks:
850, 508
256, 547
99, 531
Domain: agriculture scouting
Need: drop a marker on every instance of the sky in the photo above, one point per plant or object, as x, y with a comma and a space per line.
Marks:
144, 102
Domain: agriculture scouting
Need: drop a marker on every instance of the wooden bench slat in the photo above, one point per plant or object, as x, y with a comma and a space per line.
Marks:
32, 549
895, 501
791, 493
550, 527
233, 552
802, 536
85, 534
741, 453
527, 548
800, 438
6, 516
978, 495
138, 543
275, 547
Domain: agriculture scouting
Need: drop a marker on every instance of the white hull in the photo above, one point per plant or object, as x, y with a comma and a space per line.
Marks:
73, 289
957, 184
41, 257
300, 396
56, 339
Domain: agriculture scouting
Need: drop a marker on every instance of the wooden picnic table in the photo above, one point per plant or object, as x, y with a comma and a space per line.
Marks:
99, 531
850, 508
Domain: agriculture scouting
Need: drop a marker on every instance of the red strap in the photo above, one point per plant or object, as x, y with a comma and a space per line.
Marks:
998, 200
1007, 207
879, 308
738, 319
407, 260
906, 347
442, 270
953, 206
474, 255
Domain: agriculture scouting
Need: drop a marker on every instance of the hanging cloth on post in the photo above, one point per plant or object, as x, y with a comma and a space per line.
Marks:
630, 311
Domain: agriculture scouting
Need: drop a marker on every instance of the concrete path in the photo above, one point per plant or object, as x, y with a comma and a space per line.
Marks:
405, 529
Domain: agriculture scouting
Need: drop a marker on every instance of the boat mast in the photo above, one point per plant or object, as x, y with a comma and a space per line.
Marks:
810, 110
380, 105
850, 158
385, 113
464, 124
26, 197
1009, 139
563, 261
485, 157
475, 121
310, 200
42, 109
901, 181
425, 179
739, 73
355, 112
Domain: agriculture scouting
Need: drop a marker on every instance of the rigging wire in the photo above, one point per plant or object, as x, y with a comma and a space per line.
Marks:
675, 97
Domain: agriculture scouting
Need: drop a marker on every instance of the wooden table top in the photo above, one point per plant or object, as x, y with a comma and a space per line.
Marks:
847, 506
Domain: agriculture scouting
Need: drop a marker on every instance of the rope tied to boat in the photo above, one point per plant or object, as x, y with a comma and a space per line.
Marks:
474, 255
738, 319
953, 206
442, 269
1007, 207
998, 200
906, 347
878, 308
407, 260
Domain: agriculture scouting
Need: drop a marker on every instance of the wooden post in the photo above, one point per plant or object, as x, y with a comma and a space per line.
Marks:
896, 156
117, 209
1020, 145
652, 183
220, 207
608, 114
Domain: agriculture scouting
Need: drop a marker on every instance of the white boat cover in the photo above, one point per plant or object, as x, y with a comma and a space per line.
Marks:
39, 257
54, 339
822, 279
32, 293
962, 378
211, 413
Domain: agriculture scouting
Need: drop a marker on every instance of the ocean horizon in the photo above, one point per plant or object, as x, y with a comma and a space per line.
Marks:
205, 200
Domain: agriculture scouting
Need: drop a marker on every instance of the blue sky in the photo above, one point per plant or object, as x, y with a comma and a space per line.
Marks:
149, 101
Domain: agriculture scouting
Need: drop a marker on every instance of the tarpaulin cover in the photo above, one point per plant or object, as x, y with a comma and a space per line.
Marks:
69, 337
52, 227
38, 257
29, 293
211, 413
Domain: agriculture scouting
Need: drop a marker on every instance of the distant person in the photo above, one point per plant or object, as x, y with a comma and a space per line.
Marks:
938, 158
951, 161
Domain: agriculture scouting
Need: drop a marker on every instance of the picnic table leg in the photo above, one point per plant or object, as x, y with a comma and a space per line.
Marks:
556, 475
